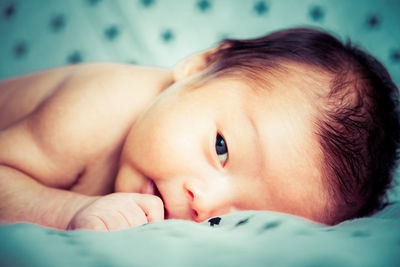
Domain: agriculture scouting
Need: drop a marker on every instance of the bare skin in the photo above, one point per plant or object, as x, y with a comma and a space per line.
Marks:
110, 146
61, 136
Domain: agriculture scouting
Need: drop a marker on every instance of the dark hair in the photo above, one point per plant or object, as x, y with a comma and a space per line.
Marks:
358, 128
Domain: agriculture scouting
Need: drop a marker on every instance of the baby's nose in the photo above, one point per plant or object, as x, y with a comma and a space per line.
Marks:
205, 203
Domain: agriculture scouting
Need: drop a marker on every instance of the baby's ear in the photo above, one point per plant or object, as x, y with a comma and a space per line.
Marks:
192, 64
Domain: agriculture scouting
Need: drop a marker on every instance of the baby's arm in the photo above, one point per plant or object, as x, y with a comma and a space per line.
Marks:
24, 199
43, 153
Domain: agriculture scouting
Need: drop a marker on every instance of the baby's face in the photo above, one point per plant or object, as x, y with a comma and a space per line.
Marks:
226, 146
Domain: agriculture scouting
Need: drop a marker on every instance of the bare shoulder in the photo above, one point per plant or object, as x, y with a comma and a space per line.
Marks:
20, 96
95, 106
81, 112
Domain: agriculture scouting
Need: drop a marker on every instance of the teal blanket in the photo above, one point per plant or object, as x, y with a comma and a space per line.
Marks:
42, 34
250, 238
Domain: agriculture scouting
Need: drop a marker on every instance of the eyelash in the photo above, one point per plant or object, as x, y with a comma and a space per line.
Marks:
221, 149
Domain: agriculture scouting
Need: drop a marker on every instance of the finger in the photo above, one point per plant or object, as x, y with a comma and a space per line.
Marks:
152, 206
120, 211
90, 222
96, 223
132, 214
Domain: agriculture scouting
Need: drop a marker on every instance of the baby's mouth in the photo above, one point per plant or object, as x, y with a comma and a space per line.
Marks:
153, 190
156, 191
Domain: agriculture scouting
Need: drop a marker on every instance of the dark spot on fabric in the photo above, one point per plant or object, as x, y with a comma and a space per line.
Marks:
395, 56
132, 61
20, 49
167, 36
271, 225
261, 8
317, 13
9, 11
242, 222
203, 5
147, 3
74, 57
93, 2
57, 23
214, 221
111, 32
329, 229
373, 21
359, 233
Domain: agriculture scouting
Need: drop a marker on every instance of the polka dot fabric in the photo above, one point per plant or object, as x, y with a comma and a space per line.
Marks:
249, 238
42, 34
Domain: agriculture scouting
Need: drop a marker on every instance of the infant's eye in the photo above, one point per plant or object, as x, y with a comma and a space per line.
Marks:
221, 149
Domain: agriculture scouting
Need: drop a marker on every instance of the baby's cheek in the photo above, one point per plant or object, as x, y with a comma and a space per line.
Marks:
121, 183
145, 141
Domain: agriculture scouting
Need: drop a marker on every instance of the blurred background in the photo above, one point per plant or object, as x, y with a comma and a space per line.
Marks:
41, 34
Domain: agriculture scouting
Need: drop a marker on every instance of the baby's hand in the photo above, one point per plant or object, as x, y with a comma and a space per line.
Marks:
118, 211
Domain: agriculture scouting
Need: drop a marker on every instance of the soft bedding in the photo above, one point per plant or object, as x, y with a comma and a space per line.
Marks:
42, 34
250, 238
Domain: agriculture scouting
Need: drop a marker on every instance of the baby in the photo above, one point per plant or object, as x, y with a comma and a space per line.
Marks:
294, 122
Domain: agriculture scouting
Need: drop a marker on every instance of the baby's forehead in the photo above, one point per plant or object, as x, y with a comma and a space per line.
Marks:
285, 78
296, 84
